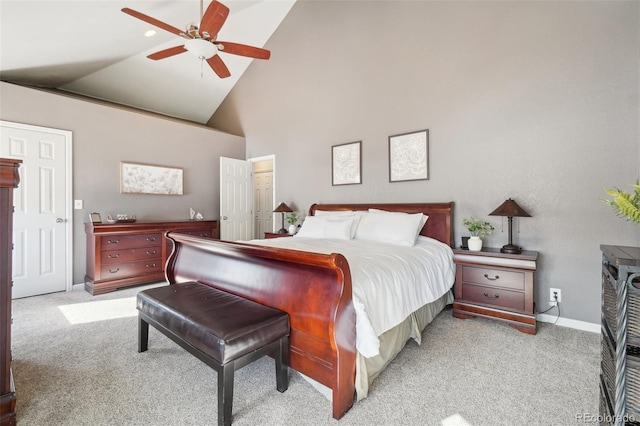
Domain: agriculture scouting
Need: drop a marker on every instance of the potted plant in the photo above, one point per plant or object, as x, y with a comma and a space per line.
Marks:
292, 219
478, 229
624, 204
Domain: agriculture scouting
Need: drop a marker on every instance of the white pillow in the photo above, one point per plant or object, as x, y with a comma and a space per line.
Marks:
422, 222
326, 227
390, 227
333, 214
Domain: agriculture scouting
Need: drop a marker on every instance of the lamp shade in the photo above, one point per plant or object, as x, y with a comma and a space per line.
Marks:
283, 208
510, 209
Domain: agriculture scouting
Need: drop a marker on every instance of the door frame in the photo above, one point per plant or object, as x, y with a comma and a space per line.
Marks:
69, 223
271, 157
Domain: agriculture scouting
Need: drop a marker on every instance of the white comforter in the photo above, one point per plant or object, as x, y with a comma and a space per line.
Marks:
389, 281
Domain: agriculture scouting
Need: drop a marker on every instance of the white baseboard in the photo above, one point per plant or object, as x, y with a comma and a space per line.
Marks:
566, 322
77, 287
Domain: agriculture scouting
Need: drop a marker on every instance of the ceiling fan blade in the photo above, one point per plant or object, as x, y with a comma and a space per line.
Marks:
154, 21
167, 52
216, 64
213, 19
243, 50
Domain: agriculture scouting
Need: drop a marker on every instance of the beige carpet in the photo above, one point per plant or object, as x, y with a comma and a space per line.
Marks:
76, 363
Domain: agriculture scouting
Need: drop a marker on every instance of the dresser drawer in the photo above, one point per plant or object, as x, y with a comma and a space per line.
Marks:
113, 242
130, 269
493, 277
130, 255
493, 296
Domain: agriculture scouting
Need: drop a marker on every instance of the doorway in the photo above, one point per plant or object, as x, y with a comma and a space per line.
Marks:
42, 221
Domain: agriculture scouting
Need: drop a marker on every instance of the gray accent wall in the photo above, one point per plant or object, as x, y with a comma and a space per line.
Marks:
537, 101
104, 135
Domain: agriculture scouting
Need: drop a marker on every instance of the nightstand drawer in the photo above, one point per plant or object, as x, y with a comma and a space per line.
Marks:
493, 296
493, 277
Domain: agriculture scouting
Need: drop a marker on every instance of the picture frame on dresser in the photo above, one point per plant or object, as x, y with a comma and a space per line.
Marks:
95, 217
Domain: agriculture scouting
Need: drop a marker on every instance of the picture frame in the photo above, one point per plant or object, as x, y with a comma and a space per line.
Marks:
409, 156
346, 164
138, 178
95, 217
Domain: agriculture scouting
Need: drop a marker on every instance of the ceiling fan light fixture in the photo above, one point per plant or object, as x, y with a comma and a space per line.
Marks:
201, 48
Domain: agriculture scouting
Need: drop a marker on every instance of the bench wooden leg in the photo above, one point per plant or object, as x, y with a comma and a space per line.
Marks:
225, 394
143, 335
282, 365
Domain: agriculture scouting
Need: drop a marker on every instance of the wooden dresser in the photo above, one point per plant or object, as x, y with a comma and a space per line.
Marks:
9, 179
126, 254
496, 285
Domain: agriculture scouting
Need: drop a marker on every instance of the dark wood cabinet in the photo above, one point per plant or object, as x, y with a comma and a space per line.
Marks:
9, 179
496, 285
126, 254
620, 336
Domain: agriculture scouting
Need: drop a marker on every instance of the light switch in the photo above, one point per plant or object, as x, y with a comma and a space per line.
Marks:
77, 204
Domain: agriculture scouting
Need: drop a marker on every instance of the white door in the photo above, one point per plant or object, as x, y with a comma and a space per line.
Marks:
263, 198
236, 199
42, 224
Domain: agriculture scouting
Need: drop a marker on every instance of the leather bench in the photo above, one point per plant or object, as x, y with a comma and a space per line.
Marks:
221, 329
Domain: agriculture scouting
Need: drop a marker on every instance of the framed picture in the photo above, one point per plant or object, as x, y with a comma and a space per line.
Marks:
346, 164
95, 217
138, 178
409, 156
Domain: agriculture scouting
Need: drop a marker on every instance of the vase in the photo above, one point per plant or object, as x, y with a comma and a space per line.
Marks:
475, 243
292, 229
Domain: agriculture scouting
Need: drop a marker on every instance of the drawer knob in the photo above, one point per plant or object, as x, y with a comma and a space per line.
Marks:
114, 256
113, 272
495, 277
151, 238
113, 241
495, 296
153, 265
151, 251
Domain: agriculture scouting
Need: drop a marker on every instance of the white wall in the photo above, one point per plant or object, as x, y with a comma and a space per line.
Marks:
532, 100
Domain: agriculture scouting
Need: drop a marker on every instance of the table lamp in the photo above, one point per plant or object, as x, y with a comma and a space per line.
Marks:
510, 209
283, 208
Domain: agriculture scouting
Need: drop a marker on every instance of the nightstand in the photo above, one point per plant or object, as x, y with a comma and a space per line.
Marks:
268, 235
496, 285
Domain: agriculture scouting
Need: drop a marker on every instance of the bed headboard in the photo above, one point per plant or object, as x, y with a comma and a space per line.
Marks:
439, 226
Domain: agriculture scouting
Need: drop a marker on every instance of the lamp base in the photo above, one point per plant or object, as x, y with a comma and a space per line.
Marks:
510, 248
283, 231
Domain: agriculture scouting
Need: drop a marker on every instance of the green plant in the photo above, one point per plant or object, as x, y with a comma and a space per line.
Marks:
292, 218
625, 204
478, 228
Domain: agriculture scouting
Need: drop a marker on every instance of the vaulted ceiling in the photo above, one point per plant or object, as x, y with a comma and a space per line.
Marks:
93, 49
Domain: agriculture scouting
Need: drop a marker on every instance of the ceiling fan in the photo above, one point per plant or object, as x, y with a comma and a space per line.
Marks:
202, 39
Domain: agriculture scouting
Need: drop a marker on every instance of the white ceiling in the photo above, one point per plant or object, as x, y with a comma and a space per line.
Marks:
94, 49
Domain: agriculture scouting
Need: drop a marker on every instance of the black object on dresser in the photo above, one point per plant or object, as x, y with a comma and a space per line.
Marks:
620, 336
9, 179
496, 285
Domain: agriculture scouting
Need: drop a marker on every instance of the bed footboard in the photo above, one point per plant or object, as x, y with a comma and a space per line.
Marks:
314, 289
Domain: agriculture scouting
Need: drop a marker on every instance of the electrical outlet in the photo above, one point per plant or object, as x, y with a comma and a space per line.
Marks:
555, 292
78, 204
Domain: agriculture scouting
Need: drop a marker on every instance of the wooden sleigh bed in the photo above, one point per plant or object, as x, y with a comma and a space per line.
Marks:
314, 289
